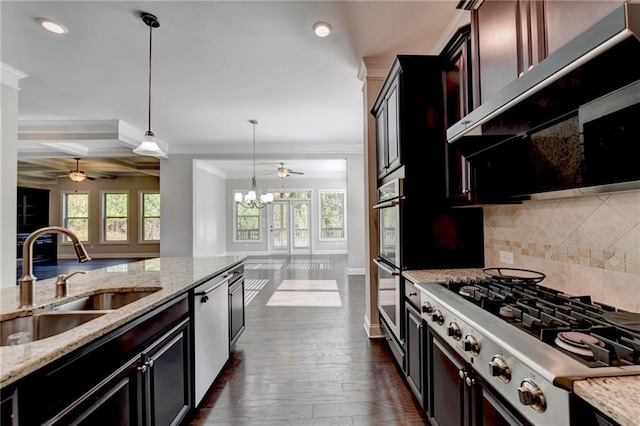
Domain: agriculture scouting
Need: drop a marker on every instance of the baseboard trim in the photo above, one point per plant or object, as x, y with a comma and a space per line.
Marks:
355, 271
374, 331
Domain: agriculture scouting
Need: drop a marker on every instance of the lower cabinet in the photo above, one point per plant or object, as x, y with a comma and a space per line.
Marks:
236, 311
139, 374
414, 342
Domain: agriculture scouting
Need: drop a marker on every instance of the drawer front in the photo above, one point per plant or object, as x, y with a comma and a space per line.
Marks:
412, 294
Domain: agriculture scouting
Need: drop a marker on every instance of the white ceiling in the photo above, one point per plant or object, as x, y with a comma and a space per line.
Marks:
216, 64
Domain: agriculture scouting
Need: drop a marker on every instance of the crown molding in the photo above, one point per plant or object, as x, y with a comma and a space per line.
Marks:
374, 67
10, 76
460, 18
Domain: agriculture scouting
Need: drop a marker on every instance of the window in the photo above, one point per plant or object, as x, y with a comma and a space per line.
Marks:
75, 214
149, 216
332, 214
115, 216
247, 224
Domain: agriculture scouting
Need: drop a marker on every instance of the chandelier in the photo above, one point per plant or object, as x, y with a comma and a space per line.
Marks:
253, 199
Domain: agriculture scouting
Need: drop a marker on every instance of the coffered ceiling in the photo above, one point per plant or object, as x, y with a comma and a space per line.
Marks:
216, 64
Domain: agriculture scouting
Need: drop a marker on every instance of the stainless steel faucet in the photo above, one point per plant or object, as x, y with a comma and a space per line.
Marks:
27, 281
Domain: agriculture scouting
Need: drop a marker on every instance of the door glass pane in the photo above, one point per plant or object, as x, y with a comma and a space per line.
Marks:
280, 226
301, 225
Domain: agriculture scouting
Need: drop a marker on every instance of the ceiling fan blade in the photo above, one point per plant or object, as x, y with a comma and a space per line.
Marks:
291, 172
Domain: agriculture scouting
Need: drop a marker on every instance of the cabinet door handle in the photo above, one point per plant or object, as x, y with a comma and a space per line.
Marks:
149, 363
418, 326
413, 294
142, 368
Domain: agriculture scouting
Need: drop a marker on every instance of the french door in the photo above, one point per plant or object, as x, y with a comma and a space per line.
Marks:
289, 227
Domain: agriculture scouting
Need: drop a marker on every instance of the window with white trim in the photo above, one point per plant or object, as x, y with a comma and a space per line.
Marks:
149, 216
75, 214
247, 221
332, 215
115, 216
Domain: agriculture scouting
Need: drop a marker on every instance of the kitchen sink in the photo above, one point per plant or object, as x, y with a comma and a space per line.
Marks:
105, 300
42, 325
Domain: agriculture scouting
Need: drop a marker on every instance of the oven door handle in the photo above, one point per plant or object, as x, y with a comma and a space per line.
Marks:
395, 273
386, 204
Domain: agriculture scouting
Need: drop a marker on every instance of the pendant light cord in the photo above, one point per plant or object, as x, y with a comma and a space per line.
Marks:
149, 116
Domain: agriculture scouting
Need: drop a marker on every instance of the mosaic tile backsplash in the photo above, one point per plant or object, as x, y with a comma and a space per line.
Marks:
585, 245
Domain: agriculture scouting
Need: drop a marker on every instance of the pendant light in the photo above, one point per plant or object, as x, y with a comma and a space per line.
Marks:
149, 145
252, 199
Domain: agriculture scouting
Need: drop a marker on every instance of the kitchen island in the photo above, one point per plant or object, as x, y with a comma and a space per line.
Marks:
137, 329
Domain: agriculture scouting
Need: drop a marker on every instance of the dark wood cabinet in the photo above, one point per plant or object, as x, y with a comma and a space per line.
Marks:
566, 19
8, 409
414, 341
410, 129
459, 102
510, 39
33, 214
387, 131
139, 374
414, 351
236, 306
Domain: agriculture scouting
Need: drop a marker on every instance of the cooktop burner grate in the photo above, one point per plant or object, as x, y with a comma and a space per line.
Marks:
549, 314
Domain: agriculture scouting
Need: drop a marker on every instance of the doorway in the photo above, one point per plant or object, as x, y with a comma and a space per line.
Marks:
289, 227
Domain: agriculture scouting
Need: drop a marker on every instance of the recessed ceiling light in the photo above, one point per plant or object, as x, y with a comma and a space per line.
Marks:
53, 26
322, 29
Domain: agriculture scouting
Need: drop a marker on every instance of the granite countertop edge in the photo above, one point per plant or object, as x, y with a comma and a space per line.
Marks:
173, 275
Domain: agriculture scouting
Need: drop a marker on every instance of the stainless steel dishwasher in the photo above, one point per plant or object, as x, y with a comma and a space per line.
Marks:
211, 331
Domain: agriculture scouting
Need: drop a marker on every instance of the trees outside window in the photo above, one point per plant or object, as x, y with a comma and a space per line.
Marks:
149, 216
247, 222
332, 214
75, 214
115, 211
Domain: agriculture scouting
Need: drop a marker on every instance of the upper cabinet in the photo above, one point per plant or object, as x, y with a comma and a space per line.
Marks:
411, 123
513, 36
459, 102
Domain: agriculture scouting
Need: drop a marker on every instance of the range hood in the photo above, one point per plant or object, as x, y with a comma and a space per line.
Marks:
603, 59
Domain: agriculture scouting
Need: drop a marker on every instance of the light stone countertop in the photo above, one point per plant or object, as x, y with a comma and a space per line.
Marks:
173, 275
617, 397
434, 276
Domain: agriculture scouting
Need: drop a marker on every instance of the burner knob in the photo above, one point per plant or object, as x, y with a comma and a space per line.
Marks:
470, 344
530, 394
437, 317
426, 308
499, 368
453, 330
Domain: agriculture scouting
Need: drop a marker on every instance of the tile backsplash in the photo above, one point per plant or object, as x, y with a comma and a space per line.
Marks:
585, 245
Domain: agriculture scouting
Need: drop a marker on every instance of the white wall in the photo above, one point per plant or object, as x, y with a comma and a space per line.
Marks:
209, 210
355, 215
176, 210
8, 174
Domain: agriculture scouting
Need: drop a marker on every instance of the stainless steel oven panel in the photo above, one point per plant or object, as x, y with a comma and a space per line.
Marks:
389, 297
521, 367
388, 206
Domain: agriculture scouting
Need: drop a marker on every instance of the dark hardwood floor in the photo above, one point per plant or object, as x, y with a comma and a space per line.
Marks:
307, 365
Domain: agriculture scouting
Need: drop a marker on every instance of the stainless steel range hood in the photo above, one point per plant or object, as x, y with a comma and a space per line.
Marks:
604, 58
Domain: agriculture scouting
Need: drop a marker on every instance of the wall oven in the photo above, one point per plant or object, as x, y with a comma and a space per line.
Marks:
388, 206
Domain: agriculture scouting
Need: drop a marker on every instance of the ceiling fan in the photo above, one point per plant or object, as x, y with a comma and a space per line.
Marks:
283, 171
77, 175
